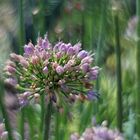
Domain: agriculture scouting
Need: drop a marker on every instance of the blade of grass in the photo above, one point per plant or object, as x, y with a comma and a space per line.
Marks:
21, 27
118, 74
21, 43
22, 120
42, 26
42, 111
138, 71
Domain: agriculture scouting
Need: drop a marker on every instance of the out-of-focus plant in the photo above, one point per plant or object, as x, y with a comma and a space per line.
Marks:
138, 71
98, 133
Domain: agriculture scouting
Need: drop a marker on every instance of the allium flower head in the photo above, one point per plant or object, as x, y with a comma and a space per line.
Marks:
58, 72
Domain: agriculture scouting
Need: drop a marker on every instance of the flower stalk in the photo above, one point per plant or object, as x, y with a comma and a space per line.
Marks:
47, 121
118, 72
138, 71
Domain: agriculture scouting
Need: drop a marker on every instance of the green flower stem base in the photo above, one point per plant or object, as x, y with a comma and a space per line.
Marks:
4, 112
22, 121
42, 111
47, 121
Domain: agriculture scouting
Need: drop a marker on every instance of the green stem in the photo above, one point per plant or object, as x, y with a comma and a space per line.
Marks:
119, 76
22, 119
99, 47
42, 111
42, 28
57, 124
4, 112
138, 71
21, 26
47, 121
22, 41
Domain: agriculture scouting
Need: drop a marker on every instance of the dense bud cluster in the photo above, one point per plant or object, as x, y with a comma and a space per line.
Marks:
59, 71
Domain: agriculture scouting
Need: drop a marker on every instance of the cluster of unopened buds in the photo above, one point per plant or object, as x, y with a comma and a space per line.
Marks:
60, 72
101, 132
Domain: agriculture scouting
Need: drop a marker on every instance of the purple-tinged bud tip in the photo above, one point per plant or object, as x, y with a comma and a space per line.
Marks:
45, 70
91, 95
82, 54
59, 69
29, 49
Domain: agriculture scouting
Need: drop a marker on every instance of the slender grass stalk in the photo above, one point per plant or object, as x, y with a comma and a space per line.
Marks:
99, 47
22, 120
83, 29
4, 112
100, 38
21, 27
42, 26
21, 43
138, 71
42, 111
118, 72
85, 117
47, 121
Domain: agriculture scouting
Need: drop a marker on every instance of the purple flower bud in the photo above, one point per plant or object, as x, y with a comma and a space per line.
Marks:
77, 48
87, 59
23, 101
93, 73
45, 43
39, 41
11, 81
14, 57
58, 55
10, 63
45, 70
10, 69
59, 69
34, 59
26, 95
24, 63
29, 49
69, 64
91, 95
82, 54
70, 51
63, 47
56, 47
45, 55
85, 67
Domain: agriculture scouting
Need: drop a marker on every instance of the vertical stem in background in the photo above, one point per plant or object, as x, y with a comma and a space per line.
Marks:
42, 27
22, 119
47, 121
21, 26
82, 29
138, 71
100, 37
118, 72
21, 42
99, 46
4, 113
